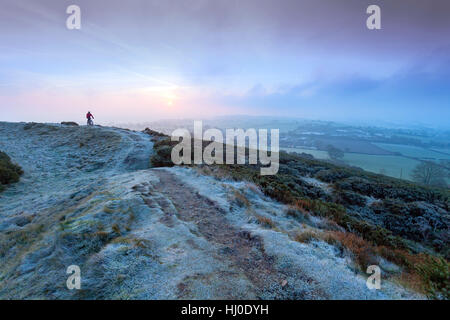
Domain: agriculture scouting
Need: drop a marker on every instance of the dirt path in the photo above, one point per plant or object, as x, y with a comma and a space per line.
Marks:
243, 251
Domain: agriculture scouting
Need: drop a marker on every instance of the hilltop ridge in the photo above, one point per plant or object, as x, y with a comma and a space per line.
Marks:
89, 197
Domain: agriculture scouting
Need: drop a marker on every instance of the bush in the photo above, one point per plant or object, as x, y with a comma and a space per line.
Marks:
9, 172
436, 274
265, 222
432, 274
162, 151
162, 157
352, 199
362, 250
331, 175
306, 236
154, 133
69, 123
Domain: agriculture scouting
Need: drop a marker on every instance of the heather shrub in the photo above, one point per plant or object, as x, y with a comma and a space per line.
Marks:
9, 172
435, 272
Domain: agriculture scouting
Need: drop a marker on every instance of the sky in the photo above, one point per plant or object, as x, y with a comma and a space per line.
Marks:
144, 60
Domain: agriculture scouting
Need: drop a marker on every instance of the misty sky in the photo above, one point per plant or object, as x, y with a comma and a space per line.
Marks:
143, 60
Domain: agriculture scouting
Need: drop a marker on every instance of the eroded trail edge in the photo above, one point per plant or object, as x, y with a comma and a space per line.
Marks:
243, 251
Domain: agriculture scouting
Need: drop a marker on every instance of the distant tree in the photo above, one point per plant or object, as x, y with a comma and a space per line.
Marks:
430, 173
334, 152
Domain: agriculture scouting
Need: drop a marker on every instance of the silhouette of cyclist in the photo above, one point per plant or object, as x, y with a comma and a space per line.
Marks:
89, 118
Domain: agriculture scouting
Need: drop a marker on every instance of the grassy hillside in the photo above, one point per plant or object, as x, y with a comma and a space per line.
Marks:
402, 222
9, 172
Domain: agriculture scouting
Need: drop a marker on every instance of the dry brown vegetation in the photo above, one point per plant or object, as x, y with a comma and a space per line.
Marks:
420, 272
265, 221
240, 199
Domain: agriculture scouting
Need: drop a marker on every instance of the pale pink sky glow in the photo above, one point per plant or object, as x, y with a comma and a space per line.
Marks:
143, 60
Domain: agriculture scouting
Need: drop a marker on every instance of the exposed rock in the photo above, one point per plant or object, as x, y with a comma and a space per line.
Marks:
69, 123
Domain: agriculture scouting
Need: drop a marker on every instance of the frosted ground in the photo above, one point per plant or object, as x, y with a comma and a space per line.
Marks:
88, 198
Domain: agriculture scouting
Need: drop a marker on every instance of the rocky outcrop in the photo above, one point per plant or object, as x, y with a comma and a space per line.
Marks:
69, 123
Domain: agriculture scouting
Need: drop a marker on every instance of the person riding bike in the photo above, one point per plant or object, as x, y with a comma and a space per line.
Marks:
89, 118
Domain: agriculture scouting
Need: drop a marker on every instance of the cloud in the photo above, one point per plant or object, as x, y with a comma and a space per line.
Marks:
290, 56
419, 92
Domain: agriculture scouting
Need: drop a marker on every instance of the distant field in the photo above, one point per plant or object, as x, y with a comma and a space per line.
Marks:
352, 145
392, 165
321, 155
420, 138
413, 151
